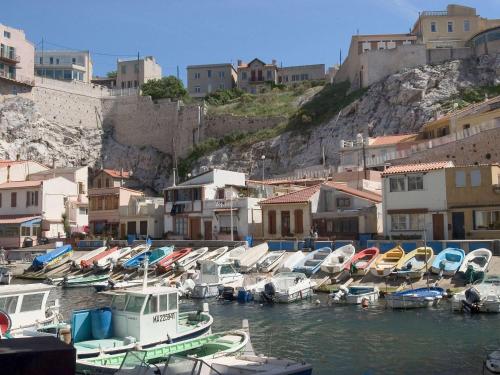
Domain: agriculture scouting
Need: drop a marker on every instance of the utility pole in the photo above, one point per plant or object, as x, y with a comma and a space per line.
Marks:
43, 61
364, 160
174, 162
137, 71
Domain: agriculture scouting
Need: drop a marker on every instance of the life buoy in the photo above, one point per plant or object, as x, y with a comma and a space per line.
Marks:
5, 322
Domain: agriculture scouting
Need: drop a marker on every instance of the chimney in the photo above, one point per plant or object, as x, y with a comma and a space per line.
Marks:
240, 62
274, 61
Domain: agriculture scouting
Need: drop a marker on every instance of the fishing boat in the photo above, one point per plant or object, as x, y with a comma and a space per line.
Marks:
448, 261
312, 261
233, 254
210, 346
270, 261
84, 281
477, 260
82, 262
113, 256
414, 264
214, 254
386, 263
167, 263
286, 287
53, 259
291, 261
355, 295
415, 298
249, 258
154, 256
336, 261
361, 262
137, 318
189, 261
213, 277
483, 296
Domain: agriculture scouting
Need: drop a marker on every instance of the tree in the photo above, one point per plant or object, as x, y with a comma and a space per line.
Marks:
112, 74
166, 87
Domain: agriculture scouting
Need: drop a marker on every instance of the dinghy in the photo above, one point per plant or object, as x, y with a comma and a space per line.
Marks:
483, 296
84, 281
477, 260
270, 261
214, 254
233, 254
247, 260
448, 261
312, 261
106, 259
89, 262
53, 259
386, 263
361, 262
82, 261
286, 287
214, 276
415, 298
291, 261
415, 263
355, 295
336, 261
189, 261
154, 256
167, 263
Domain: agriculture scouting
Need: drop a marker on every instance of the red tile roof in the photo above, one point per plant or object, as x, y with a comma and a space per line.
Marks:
422, 167
371, 196
117, 174
392, 139
16, 219
19, 184
300, 196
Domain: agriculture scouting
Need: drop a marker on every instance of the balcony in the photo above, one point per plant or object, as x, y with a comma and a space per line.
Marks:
9, 57
214, 204
17, 78
434, 13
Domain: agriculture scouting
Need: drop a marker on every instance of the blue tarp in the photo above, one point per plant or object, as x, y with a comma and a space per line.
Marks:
42, 260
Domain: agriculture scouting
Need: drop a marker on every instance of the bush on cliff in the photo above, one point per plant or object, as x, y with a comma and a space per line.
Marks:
166, 87
221, 97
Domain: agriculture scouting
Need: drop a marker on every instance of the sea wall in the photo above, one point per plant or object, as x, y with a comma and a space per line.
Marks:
218, 126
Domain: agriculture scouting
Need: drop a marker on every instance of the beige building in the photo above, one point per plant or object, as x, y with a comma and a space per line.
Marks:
142, 217
106, 178
487, 42
451, 28
134, 73
16, 61
64, 65
204, 79
290, 75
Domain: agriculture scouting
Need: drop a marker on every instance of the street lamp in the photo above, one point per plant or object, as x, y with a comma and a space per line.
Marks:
263, 157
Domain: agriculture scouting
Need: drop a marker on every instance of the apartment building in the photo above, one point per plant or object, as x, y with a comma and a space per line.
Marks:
64, 65
16, 61
142, 217
106, 178
451, 28
204, 79
290, 75
135, 72
486, 43
19, 170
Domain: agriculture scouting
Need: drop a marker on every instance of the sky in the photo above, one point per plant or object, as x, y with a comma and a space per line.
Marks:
189, 32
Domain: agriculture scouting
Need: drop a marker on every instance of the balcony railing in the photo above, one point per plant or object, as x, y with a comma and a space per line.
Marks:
17, 78
212, 204
4, 55
428, 13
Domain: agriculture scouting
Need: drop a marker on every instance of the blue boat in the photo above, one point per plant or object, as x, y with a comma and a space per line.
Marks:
414, 298
311, 263
52, 258
154, 256
448, 261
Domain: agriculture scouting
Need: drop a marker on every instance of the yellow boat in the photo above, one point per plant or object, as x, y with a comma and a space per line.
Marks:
386, 263
415, 263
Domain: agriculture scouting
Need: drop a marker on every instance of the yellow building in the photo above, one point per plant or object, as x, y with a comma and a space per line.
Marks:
473, 199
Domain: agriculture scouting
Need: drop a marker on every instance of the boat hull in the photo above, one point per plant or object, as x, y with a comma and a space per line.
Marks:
411, 303
201, 291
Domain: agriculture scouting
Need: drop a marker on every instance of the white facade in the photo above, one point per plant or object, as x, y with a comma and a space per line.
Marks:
19, 170
143, 216
64, 65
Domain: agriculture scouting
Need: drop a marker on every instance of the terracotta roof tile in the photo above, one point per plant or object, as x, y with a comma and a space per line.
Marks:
19, 184
300, 196
392, 139
117, 174
422, 167
371, 196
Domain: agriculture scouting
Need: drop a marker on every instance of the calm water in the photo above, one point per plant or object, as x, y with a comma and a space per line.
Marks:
351, 340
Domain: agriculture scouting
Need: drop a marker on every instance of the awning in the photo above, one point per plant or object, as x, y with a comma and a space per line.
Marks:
16, 219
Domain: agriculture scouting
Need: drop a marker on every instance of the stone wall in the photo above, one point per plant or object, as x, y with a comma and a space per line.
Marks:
217, 126
440, 55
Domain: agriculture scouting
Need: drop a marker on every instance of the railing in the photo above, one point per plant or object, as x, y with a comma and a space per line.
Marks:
17, 78
124, 92
225, 203
434, 13
10, 56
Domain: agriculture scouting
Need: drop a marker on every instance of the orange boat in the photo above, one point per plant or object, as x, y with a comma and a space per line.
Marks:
362, 261
166, 263
87, 263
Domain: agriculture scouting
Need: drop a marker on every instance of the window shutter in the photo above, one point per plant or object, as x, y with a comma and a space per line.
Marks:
27, 199
299, 221
272, 222
36, 198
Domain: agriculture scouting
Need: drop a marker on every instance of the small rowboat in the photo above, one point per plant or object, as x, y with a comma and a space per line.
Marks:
312, 262
167, 263
84, 281
89, 262
189, 261
270, 261
336, 261
291, 261
355, 295
233, 255
448, 261
53, 259
386, 263
477, 260
415, 263
154, 256
113, 257
248, 259
80, 262
362, 261
216, 254
414, 298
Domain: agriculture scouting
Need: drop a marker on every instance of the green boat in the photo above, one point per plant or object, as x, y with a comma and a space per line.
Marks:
210, 346
83, 281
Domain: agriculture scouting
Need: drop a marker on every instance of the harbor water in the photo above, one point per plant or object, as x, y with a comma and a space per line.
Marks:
349, 339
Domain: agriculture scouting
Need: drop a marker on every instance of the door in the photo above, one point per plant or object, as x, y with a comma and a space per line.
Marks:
122, 230
458, 225
195, 226
285, 223
208, 229
438, 227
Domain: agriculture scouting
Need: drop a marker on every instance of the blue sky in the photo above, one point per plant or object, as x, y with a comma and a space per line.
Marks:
184, 32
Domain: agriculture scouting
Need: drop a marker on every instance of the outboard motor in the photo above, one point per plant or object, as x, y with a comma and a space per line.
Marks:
228, 293
269, 292
472, 300
342, 292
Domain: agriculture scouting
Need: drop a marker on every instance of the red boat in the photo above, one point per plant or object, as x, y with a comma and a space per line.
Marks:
87, 263
362, 261
166, 263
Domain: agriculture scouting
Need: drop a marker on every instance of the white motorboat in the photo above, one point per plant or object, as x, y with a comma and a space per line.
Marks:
291, 261
336, 261
270, 261
483, 296
492, 363
247, 260
286, 287
213, 277
355, 295
217, 254
247, 291
234, 254
189, 261
5, 275
477, 260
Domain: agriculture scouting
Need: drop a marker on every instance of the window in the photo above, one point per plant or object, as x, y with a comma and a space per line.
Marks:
99, 183
51, 60
134, 304
221, 74
32, 302
433, 27
164, 302
197, 89
13, 199
124, 69
73, 60
181, 224
304, 77
6, 34
299, 221
460, 178
83, 211
119, 301
475, 178
80, 188
131, 228
41, 60
107, 183
347, 225
136, 68
398, 222
143, 228
209, 73
269, 75
417, 221
415, 183
36, 230
450, 26
343, 202
244, 76
197, 75
136, 83
466, 25
151, 305
31, 198
25, 231
197, 194
397, 183
9, 304
271, 215
487, 220
172, 301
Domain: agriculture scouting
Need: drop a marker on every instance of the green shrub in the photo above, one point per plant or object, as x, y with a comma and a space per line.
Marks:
221, 97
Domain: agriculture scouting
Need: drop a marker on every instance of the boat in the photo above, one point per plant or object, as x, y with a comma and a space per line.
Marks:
361, 262
112, 257
286, 287
233, 254
476, 261
336, 261
189, 261
247, 260
312, 261
414, 264
214, 254
210, 346
483, 296
386, 263
167, 263
136, 318
53, 259
5, 275
448, 261
415, 298
247, 292
492, 363
291, 261
112, 284
270, 261
213, 277
84, 281
355, 295
154, 256
83, 261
